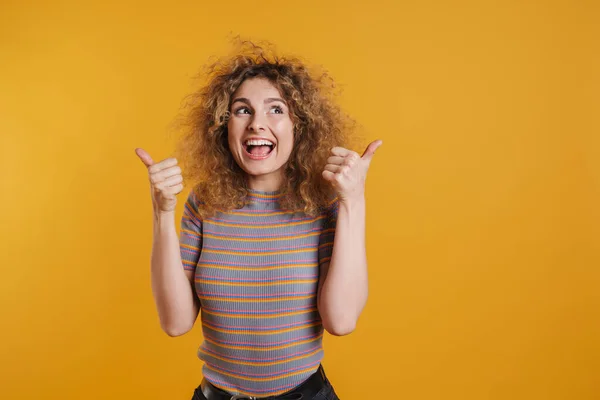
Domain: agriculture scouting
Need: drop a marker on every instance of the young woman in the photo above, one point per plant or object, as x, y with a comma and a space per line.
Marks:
272, 244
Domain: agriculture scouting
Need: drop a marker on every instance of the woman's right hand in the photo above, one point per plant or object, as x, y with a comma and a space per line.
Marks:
166, 182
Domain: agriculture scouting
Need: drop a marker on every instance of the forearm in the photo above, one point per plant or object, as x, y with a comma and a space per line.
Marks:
345, 289
173, 291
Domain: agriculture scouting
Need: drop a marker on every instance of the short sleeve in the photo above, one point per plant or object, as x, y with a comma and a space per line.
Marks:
190, 236
328, 234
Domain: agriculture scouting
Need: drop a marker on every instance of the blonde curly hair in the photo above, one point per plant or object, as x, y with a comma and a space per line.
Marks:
319, 125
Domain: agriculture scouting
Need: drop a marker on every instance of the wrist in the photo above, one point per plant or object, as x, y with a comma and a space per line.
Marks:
162, 217
353, 206
353, 200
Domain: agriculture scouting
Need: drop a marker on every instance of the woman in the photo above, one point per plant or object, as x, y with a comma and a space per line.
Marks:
272, 242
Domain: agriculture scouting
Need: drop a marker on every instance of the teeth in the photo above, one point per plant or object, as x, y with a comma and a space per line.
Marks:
258, 142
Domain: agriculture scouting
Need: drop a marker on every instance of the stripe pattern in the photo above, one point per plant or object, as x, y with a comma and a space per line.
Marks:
256, 275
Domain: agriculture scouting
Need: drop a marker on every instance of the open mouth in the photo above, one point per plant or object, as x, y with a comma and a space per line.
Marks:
259, 148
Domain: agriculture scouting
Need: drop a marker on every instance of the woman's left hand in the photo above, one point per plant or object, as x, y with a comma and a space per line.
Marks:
347, 171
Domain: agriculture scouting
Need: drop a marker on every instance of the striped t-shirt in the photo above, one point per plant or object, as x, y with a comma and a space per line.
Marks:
256, 275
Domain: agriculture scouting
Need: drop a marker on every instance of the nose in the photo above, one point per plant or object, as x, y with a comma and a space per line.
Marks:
257, 123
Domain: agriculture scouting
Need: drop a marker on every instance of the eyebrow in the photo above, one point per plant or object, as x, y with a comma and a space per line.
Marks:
267, 100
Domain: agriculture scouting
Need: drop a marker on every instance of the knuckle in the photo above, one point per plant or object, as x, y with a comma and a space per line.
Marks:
154, 179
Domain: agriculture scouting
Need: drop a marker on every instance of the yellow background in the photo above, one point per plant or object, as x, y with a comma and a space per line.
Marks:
483, 203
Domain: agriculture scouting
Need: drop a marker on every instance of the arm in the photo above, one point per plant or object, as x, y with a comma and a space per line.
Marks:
172, 284
343, 286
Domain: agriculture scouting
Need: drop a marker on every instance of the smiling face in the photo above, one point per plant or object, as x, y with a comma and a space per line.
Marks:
260, 133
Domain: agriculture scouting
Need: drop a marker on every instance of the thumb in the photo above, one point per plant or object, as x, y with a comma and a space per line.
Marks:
144, 156
370, 151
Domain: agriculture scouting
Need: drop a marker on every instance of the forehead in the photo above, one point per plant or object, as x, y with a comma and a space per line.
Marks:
257, 88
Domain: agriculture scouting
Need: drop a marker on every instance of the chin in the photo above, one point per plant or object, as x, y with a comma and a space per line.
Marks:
260, 171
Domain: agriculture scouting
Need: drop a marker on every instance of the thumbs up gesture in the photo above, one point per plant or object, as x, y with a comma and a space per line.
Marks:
347, 171
165, 181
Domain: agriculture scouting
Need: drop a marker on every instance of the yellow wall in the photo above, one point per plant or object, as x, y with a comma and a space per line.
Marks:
483, 203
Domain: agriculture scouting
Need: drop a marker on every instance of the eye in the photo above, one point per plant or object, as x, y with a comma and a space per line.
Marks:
242, 110
277, 110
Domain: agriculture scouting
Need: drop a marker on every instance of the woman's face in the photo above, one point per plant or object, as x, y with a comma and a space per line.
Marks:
260, 133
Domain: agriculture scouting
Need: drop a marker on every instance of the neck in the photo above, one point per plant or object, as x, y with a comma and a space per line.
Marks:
265, 183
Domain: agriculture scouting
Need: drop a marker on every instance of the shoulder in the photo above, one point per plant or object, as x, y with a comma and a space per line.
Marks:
192, 200
331, 208
194, 197
193, 206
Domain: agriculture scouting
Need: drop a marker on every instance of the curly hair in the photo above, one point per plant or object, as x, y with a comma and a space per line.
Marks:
319, 124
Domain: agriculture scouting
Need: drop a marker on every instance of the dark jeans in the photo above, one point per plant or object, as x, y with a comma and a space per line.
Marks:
326, 393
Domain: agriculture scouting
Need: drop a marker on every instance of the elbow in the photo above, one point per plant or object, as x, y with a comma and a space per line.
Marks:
174, 330
340, 328
339, 321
